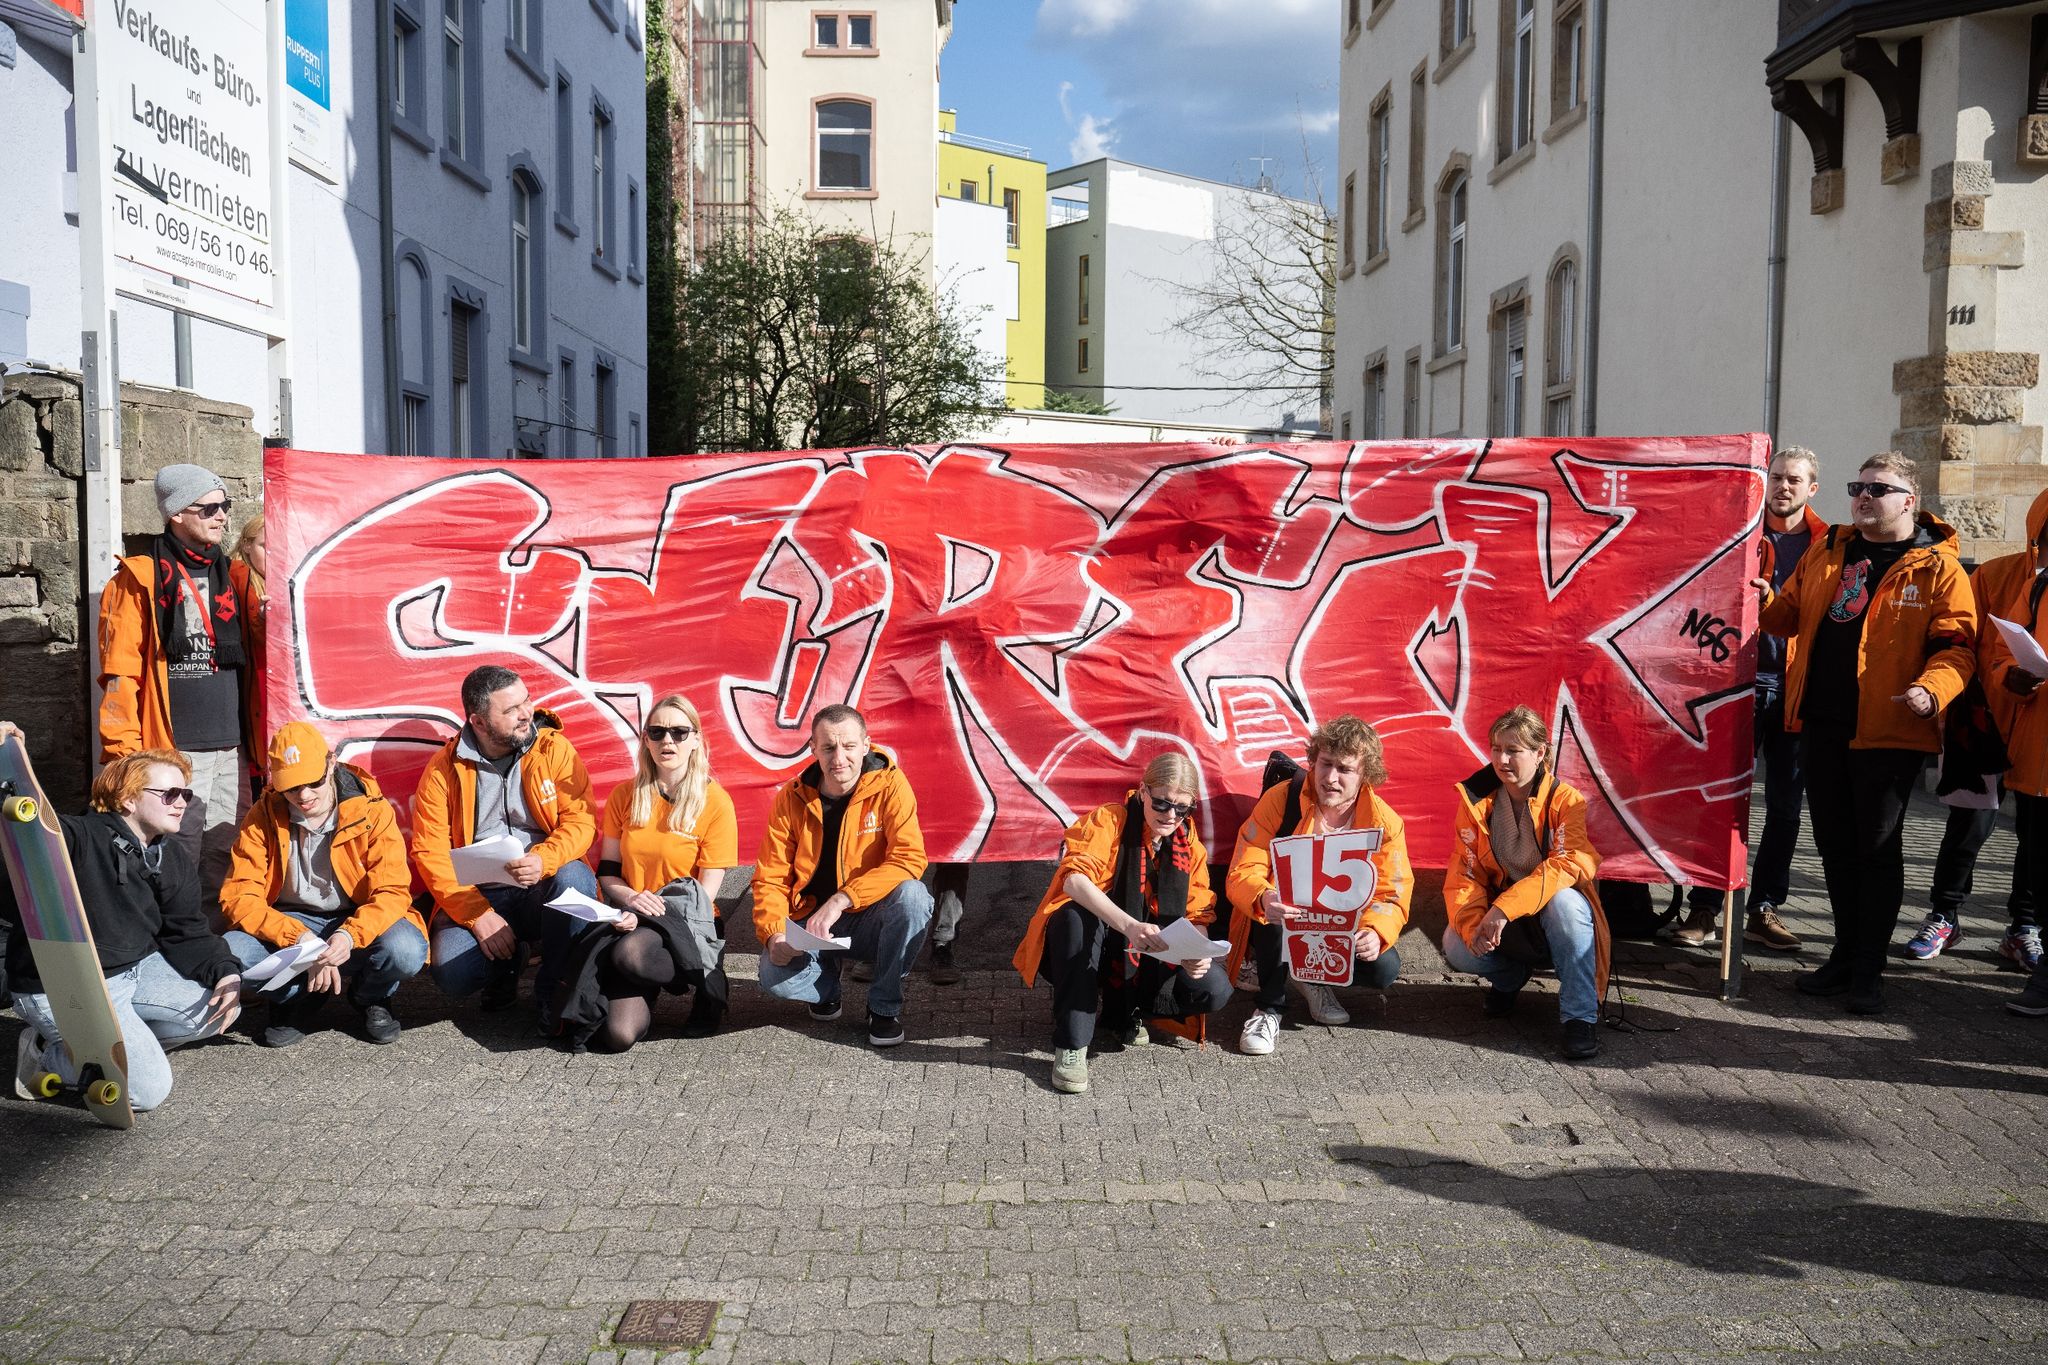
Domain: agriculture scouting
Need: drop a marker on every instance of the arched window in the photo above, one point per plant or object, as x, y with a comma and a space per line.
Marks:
1560, 348
525, 214
415, 363
1452, 199
846, 145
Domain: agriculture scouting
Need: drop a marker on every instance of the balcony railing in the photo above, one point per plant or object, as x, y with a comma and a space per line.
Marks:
987, 144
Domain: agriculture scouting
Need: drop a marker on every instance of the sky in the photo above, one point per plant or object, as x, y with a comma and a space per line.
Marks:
1202, 87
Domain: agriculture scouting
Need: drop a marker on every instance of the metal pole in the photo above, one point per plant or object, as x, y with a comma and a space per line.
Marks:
280, 349
100, 506
1596, 196
1774, 280
387, 237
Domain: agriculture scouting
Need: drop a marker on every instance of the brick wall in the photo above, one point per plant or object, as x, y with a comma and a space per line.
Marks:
45, 686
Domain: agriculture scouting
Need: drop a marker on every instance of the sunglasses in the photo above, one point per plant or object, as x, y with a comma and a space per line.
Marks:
1876, 490
293, 793
172, 796
1178, 810
666, 733
210, 510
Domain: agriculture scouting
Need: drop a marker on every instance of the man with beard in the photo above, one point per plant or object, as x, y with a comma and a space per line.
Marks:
509, 771
176, 640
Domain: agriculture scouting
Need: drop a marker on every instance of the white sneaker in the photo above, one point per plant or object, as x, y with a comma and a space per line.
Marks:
1260, 1031
28, 1063
1322, 1003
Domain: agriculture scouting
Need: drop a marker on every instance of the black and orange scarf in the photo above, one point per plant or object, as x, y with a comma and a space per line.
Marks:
175, 561
1150, 883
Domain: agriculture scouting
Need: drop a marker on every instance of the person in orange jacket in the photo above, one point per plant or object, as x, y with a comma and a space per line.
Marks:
1884, 627
854, 802
1521, 888
1338, 793
510, 772
179, 655
1129, 868
2011, 588
320, 854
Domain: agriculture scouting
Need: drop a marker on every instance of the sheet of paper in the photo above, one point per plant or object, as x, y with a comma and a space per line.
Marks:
804, 941
2026, 650
277, 970
483, 864
1186, 942
575, 903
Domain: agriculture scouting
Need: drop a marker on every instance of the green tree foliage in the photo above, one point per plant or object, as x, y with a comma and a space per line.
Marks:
800, 339
1074, 401
666, 433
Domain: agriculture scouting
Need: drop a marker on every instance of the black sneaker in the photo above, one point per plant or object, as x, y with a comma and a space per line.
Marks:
704, 1017
884, 1030
825, 1011
1581, 1039
501, 989
1866, 999
1830, 978
944, 972
1499, 1004
380, 1025
2031, 1002
287, 1026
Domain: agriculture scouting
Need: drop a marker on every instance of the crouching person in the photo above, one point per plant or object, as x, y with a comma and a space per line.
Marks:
320, 853
1520, 888
172, 980
1129, 868
843, 853
1337, 793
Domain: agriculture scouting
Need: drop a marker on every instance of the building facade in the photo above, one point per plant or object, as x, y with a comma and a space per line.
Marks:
1006, 178
1572, 217
487, 299
1128, 249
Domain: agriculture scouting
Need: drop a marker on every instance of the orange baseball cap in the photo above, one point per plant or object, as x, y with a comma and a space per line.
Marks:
298, 755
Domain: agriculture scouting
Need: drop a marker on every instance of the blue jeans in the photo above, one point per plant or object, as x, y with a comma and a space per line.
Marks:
373, 973
1567, 923
157, 1009
460, 967
886, 934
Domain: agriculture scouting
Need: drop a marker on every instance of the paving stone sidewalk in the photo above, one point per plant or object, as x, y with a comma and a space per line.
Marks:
1772, 1180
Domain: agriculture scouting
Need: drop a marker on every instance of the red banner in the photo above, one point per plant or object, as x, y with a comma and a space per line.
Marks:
1025, 627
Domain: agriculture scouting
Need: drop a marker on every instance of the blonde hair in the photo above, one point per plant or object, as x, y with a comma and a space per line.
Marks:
122, 781
696, 781
252, 534
1173, 771
1894, 462
1345, 736
1799, 454
1519, 722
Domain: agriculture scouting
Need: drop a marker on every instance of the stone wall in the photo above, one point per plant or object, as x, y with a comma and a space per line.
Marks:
45, 619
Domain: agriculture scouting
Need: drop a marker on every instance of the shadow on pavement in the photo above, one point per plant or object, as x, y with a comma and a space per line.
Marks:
1742, 1223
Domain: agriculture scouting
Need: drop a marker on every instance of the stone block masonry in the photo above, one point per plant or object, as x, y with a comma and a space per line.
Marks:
45, 618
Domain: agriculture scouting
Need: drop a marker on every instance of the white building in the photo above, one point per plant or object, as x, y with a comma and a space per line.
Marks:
465, 259
1126, 245
1560, 217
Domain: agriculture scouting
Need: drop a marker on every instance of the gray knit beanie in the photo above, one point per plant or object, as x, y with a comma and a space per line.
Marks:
178, 486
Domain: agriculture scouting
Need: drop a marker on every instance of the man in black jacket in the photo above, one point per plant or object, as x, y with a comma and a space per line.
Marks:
171, 978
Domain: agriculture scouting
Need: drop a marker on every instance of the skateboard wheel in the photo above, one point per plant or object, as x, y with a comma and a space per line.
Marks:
21, 809
49, 1085
104, 1093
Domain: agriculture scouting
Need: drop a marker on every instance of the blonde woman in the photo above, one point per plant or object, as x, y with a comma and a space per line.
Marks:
256, 715
1129, 868
669, 837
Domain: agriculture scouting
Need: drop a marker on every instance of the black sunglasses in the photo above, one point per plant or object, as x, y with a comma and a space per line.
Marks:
1176, 809
676, 733
173, 796
213, 509
1876, 490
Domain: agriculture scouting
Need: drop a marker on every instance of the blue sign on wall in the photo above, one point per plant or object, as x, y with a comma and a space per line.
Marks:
305, 49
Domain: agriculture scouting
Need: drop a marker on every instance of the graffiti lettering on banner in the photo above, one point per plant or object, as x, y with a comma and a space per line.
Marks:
1325, 880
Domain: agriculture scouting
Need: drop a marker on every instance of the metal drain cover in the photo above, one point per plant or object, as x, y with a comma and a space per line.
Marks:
666, 1322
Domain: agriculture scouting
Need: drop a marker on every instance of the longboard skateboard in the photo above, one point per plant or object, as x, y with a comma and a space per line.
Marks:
53, 918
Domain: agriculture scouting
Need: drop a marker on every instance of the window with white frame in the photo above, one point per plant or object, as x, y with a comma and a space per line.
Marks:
1375, 411
524, 218
462, 321
1411, 395
1517, 75
1510, 367
1561, 340
1452, 201
405, 65
1349, 220
1568, 59
846, 145
565, 152
1456, 26
841, 33
600, 181
1379, 173
518, 23
454, 80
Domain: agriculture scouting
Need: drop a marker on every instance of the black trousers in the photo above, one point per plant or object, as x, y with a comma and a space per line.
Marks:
1857, 798
2030, 819
1955, 867
1268, 944
1074, 946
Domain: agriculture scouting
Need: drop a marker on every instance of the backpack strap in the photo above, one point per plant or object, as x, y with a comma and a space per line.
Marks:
1292, 812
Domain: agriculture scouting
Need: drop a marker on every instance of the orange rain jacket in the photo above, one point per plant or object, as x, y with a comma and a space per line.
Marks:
1767, 561
1474, 882
2003, 587
1251, 864
1090, 849
1920, 630
557, 791
135, 702
369, 865
880, 845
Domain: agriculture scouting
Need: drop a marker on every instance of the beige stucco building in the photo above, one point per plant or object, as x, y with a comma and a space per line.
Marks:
1578, 217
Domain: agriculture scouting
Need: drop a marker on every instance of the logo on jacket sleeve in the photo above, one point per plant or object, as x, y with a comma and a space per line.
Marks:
1911, 596
547, 790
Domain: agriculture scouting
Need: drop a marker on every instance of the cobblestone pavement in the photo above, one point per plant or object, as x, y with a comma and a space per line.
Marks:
1774, 1179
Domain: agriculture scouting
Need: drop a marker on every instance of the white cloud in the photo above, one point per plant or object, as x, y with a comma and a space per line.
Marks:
1318, 121
1093, 139
1085, 18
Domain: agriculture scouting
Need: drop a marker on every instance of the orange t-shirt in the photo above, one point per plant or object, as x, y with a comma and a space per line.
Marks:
651, 856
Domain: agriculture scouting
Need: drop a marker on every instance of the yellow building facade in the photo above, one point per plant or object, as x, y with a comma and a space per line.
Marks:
980, 170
